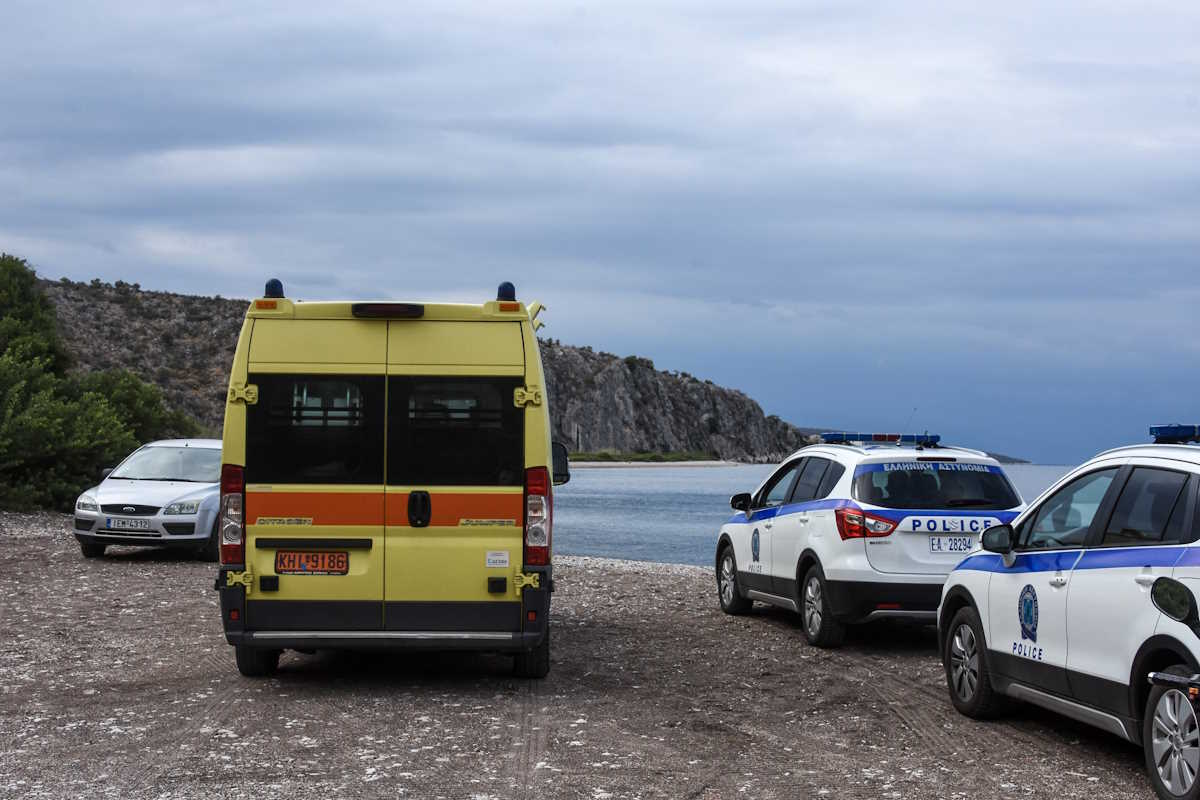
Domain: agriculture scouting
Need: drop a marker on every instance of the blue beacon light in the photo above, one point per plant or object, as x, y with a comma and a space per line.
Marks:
844, 437
1175, 434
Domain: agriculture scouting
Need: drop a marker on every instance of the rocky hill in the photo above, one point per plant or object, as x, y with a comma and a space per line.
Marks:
598, 401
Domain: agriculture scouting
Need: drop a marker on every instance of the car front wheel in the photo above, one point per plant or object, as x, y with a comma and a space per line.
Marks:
92, 549
967, 676
728, 594
1171, 740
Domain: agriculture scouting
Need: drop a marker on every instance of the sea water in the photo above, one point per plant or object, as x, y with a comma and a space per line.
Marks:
672, 513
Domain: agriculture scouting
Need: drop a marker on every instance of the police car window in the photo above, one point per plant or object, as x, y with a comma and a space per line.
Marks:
934, 485
315, 429
455, 432
1149, 510
1064, 518
832, 476
809, 480
775, 493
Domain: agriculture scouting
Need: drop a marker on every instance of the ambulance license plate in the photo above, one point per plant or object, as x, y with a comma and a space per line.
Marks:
951, 544
126, 524
293, 562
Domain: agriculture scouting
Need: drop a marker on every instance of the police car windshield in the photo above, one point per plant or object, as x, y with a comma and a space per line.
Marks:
913, 484
193, 464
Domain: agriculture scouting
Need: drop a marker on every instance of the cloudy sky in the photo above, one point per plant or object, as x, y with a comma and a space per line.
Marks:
865, 214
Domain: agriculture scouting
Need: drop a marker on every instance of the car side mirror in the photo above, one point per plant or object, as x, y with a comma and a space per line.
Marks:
1176, 601
998, 539
740, 502
104, 473
561, 464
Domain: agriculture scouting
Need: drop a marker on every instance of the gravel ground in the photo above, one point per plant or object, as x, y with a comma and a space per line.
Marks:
116, 681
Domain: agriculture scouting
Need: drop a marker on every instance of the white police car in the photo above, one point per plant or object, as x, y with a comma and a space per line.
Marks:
1083, 596
862, 527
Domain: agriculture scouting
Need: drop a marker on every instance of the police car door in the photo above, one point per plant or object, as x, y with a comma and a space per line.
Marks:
1027, 600
1109, 612
794, 524
763, 519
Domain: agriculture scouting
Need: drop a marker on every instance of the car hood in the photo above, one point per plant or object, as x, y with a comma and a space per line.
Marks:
152, 493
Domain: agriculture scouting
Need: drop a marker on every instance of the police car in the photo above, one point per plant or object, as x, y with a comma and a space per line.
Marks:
1086, 595
862, 527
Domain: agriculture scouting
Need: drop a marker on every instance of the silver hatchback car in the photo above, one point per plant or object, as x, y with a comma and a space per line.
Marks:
164, 494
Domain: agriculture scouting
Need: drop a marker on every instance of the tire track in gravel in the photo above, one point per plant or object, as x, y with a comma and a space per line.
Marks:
533, 730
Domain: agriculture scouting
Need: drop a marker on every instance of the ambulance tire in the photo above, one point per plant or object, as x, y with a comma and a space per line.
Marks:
534, 663
1183, 720
256, 662
211, 549
816, 617
92, 549
964, 658
729, 595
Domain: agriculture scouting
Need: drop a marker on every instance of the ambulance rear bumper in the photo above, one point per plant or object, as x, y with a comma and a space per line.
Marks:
497, 641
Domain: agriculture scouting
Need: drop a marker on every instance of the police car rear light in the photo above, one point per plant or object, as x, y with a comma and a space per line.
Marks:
232, 521
1175, 434
853, 523
387, 310
844, 437
539, 516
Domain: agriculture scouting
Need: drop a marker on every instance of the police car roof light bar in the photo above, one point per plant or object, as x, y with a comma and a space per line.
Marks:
1175, 434
844, 437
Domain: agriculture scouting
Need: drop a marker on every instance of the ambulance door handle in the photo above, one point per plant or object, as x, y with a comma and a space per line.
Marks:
1058, 581
420, 509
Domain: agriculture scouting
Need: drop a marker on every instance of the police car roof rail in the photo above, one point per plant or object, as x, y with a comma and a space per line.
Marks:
1175, 434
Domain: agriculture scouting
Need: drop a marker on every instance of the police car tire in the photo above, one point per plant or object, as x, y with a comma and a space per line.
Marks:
985, 702
92, 549
1156, 693
830, 632
737, 605
534, 663
256, 662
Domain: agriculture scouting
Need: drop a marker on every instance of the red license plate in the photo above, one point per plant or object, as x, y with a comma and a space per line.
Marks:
293, 562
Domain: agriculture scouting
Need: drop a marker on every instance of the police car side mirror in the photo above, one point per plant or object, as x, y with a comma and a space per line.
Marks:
998, 539
1176, 601
561, 464
740, 502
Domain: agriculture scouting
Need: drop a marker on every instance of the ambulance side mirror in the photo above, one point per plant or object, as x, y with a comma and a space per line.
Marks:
998, 539
740, 502
561, 464
1176, 601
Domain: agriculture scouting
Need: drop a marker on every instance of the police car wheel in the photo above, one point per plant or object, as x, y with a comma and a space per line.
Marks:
92, 549
1171, 741
728, 594
256, 662
820, 628
534, 663
966, 668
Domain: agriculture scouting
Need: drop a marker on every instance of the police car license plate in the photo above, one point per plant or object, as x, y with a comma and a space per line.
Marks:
951, 544
126, 524
293, 562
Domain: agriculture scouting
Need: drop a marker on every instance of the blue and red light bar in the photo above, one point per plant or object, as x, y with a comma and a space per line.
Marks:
1175, 434
844, 437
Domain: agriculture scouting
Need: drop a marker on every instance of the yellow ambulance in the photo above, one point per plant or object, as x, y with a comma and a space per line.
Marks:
386, 480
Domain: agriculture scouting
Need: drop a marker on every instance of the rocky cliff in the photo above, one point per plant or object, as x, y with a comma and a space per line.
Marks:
598, 401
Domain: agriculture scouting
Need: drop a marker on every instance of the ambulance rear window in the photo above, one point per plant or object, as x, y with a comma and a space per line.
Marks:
315, 429
455, 432
920, 485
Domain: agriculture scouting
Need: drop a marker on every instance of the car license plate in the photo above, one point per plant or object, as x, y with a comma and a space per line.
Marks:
293, 562
126, 524
951, 544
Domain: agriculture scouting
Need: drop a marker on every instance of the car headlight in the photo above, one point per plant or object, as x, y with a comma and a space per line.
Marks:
185, 507
86, 503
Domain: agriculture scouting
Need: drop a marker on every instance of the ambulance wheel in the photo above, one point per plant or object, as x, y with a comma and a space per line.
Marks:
820, 628
966, 667
728, 594
1171, 741
92, 549
534, 663
211, 549
256, 662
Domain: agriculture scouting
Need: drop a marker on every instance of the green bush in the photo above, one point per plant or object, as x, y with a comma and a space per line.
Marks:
58, 431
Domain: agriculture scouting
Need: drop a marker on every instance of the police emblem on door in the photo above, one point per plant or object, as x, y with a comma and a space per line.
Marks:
754, 544
1027, 613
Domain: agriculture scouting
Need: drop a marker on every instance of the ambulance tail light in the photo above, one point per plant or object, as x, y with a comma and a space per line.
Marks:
854, 523
539, 516
233, 517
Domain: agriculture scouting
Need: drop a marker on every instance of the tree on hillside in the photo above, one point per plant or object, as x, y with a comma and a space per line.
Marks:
57, 431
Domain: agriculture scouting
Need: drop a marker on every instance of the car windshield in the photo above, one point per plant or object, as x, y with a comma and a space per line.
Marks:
946, 485
195, 464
